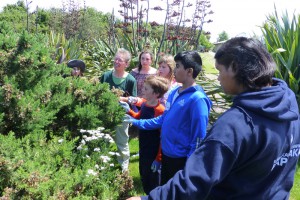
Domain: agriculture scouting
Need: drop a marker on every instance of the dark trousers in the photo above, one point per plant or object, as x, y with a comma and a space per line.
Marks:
150, 180
170, 166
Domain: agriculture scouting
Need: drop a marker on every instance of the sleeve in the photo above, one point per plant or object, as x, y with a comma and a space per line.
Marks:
130, 87
149, 124
139, 101
199, 120
205, 168
135, 115
159, 110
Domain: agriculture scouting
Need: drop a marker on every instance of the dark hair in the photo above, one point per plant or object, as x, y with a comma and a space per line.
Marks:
77, 63
249, 59
140, 57
190, 59
159, 84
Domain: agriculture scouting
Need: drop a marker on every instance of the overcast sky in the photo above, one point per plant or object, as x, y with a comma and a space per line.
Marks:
236, 17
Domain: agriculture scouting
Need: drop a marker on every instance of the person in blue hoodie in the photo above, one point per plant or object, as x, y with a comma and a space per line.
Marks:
251, 151
184, 121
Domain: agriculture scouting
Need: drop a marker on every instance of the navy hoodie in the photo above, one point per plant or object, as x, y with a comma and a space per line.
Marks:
251, 151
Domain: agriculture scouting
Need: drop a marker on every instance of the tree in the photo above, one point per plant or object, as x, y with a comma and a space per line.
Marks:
223, 36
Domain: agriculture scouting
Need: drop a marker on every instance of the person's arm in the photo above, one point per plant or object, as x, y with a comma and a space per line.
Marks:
135, 115
149, 124
131, 87
199, 120
205, 168
125, 99
137, 101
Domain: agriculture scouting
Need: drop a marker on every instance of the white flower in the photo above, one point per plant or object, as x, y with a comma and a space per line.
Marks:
100, 135
112, 153
79, 147
97, 149
82, 142
111, 165
91, 172
105, 159
97, 166
60, 141
100, 128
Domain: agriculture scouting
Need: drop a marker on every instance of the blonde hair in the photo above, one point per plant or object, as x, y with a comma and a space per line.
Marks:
159, 84
169, 60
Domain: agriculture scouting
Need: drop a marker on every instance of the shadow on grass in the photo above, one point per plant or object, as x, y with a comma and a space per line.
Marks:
134, 173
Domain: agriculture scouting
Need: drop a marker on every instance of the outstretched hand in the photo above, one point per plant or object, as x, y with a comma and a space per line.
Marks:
128, 119
124, 105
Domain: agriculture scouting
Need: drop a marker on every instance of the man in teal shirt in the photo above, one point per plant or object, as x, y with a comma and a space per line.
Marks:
120, 79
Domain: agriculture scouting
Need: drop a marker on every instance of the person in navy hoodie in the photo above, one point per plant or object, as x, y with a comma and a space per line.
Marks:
251, 151
184, 121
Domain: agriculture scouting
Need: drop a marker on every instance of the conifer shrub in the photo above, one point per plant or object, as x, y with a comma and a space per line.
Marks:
43, 153
32, 167
35, 96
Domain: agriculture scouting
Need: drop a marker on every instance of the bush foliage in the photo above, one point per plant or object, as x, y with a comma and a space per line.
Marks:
43, 155
35, 96
34, 168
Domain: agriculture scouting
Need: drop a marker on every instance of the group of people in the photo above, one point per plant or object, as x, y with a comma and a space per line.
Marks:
250, 152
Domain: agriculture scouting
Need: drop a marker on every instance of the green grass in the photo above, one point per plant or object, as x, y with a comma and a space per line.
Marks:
134, 165
295, 193
208, 63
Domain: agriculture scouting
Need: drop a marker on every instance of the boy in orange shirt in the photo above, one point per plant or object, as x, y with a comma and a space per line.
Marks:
149, 140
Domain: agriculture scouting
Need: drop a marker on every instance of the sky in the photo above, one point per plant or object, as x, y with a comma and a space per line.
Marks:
235, 17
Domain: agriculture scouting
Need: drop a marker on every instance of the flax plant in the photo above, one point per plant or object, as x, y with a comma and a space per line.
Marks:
281, 36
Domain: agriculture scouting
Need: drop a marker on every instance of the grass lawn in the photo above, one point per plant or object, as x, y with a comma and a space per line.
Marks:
134, 166
209, 68
208, 63
295, 193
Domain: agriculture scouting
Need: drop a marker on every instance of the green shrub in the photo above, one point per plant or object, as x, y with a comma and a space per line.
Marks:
35, 96
34, 168
41, 113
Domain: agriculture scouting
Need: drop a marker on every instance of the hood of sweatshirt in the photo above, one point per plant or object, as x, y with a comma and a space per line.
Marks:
276, 102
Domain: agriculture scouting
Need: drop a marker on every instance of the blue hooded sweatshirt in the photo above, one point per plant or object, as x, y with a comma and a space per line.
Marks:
183, 123
251, 151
